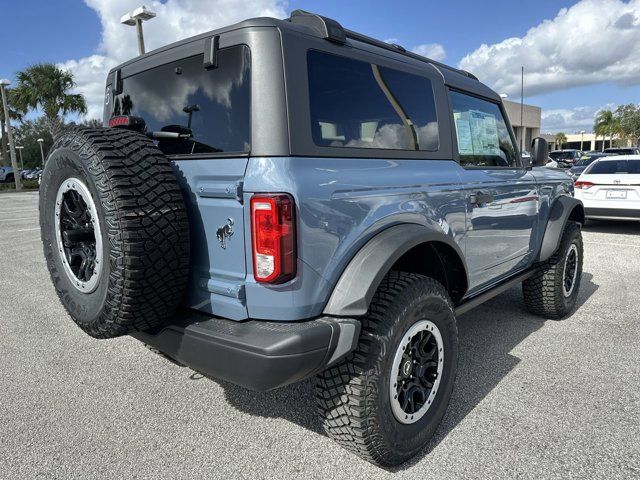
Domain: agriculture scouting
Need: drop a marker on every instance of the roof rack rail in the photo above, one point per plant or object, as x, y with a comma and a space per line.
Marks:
327, 28
394, 48
331, 30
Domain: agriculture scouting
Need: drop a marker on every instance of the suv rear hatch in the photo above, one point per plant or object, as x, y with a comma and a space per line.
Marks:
210, 110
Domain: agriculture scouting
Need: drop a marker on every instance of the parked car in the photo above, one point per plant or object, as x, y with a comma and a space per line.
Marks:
623, 151
610, 188
33, 174
586, 160
567, 156
329, 208
6, 174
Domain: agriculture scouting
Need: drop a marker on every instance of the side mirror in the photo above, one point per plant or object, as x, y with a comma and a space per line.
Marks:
539, 152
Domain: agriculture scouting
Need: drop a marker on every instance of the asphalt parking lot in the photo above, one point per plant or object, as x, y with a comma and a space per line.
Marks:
534, 398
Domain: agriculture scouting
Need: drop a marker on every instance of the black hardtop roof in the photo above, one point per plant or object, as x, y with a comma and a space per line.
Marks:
451, 75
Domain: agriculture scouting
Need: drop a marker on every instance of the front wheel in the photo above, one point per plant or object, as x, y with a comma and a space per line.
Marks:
385, 400
552, 291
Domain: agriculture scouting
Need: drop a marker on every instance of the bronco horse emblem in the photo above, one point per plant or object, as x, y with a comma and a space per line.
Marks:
225, 232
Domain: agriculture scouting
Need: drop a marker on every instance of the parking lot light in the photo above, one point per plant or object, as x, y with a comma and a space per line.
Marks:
20, 148
135, 18
40, 140
12, 151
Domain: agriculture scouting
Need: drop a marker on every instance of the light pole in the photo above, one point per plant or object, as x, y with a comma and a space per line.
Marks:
522, 109
21, 162
40, 140
581, 139
135, 18
16, 178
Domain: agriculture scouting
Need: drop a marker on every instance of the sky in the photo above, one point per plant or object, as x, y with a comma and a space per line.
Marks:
579, 56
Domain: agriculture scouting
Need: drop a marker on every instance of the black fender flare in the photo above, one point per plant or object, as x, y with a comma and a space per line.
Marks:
561, 210
359, 281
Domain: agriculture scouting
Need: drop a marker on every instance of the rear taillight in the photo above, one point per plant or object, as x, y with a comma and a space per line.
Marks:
128, 122
584, 185
273, 237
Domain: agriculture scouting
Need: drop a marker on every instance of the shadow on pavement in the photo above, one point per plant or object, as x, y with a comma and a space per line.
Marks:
613, 226
487, 335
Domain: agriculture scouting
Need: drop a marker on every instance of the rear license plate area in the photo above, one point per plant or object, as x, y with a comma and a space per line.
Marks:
617, 194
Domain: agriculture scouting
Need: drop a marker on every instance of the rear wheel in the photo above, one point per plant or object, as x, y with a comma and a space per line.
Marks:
9, 178
552, 291
114, 231
385, 400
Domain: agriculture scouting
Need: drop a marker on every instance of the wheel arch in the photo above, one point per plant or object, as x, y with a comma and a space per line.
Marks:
564, 209
409, 247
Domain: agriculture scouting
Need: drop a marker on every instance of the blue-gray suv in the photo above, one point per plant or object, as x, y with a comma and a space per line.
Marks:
282, 199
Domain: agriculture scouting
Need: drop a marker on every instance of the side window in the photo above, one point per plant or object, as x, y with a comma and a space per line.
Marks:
211, 106
357, 104
483, 136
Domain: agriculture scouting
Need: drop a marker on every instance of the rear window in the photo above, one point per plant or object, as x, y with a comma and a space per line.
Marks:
562, 155
588, 160
614, 166
355, 104
620, 151
212, 105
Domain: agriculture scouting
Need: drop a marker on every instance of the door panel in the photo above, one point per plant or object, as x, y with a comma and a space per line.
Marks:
502, 197
502, 211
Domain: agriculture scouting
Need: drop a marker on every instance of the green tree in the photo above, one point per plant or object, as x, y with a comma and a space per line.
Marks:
27, 135
91, 123
605, 124
47, 87
561, 139
628, 121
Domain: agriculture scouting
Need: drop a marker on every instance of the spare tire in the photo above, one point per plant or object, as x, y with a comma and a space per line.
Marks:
114, 230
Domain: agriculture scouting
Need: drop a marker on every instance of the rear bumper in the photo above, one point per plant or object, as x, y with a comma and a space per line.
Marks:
259, 355
615, 213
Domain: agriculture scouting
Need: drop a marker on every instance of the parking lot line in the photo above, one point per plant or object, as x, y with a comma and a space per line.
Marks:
17, 219
614, 244
27, 229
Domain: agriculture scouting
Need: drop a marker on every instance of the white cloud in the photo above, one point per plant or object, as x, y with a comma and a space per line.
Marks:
592, 42
434, 51
571, 120
176, 19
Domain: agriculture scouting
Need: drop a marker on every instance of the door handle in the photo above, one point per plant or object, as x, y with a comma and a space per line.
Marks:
481, 197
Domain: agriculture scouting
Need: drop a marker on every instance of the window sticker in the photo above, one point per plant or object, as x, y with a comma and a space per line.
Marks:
463, 130
477, 133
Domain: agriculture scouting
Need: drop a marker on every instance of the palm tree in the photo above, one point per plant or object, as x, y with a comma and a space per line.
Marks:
561, 139
600, 131
606, 123
46, 86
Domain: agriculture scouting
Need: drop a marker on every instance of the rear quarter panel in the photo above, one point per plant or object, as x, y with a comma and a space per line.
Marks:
341, 204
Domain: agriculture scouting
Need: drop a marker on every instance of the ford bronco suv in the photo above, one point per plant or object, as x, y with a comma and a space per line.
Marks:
282, 199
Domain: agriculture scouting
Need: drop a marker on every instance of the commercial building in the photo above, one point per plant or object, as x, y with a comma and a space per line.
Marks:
525, 122
526, 125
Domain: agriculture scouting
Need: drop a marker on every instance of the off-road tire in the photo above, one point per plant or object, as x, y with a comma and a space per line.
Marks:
353, 396
144, 230
543, 292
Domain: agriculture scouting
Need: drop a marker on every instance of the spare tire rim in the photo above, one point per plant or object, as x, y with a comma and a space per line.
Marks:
416, 372
570, 270
78, 235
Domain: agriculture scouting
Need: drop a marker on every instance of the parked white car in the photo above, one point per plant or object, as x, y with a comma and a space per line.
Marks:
610, 188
